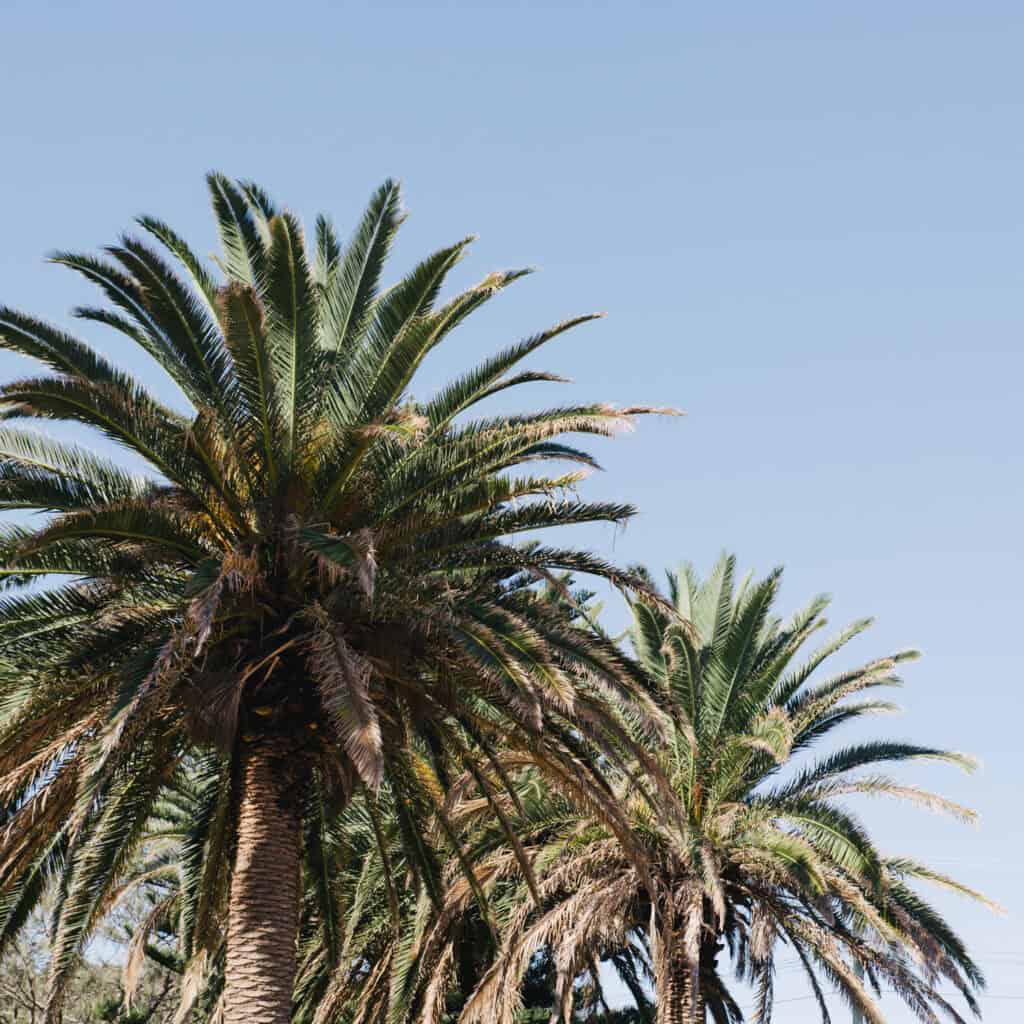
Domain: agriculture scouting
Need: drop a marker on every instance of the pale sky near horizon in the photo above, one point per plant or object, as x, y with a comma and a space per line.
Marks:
805, 222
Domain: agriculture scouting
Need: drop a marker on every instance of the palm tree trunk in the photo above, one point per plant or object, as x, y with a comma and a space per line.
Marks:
263, 915
678, 1002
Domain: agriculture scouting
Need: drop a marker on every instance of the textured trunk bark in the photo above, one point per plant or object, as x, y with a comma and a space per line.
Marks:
693, 1007
678, 1003
263, 916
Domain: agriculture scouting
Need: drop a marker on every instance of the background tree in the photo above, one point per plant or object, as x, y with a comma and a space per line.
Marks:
95, 995
765, 852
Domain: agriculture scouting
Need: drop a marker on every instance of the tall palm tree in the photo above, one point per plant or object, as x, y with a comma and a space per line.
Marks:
313, 579
765, 854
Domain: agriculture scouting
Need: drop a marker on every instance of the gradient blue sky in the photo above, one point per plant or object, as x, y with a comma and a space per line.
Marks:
804, 219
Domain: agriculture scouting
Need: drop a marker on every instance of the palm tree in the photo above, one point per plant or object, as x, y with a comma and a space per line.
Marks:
764, 854
312, 583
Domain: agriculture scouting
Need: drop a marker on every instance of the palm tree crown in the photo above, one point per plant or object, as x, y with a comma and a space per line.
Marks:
314, 580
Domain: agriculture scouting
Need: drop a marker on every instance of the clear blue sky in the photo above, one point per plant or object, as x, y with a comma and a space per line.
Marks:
805, 221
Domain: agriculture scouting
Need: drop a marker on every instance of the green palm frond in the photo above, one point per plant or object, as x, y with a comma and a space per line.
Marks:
244, 257
57, 349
